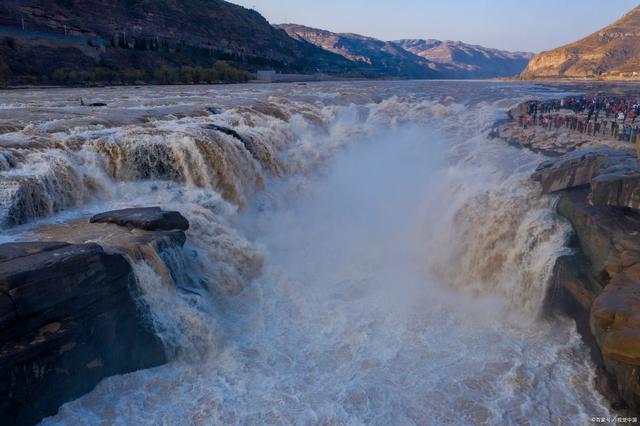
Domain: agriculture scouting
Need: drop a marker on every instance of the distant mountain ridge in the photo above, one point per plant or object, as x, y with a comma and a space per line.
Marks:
610, 53
442, 59
456, 59
377, 56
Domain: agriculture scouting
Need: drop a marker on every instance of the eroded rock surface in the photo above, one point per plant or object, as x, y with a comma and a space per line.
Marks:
615, 323
68, 318
612, 175
71, 312
599, 285
147, 218
609, 237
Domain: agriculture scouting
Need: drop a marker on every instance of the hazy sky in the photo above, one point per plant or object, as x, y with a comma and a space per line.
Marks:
508, 24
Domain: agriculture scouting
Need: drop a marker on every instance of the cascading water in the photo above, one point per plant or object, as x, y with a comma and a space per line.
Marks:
358, 253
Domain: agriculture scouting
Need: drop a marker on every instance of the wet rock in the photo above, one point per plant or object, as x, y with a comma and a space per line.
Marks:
226, 131
599, 286
573, 290
574, 287
70, 315
147, 218
619, 189
609, 237
92, 104
615, 319
615, 323
11, 251
581, 167
246, 141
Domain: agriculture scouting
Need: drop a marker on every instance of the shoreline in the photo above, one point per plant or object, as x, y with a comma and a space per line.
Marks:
565, 80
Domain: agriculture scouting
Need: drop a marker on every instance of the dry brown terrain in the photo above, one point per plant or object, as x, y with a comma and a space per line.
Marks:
612, 53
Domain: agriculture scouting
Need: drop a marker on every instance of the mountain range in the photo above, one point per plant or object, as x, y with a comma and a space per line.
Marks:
610, 53
415, 58
455, 59
377, 57
184, 41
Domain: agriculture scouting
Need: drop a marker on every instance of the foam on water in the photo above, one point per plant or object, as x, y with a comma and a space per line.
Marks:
365, 255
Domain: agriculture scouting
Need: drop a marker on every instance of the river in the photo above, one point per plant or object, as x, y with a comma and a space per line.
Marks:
363, 253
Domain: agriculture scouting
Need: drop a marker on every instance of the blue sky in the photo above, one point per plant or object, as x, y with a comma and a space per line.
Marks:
532, 25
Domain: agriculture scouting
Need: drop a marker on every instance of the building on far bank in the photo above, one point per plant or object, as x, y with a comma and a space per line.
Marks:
266, 75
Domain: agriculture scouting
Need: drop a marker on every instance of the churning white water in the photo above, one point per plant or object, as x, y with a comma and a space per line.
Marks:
363, 254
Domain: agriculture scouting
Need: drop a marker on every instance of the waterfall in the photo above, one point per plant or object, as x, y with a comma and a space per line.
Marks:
358, 253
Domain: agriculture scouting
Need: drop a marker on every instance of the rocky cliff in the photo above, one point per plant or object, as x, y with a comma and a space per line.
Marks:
596, 183
611, 53
455, 59
71, 312
600, 283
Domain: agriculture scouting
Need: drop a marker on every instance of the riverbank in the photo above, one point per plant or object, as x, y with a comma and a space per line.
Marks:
597, 184
560, 80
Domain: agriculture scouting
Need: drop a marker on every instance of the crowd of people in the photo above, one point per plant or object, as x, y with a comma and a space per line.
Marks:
611, 117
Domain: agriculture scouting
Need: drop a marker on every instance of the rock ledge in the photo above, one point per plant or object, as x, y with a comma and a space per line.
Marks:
147, 218
71, 312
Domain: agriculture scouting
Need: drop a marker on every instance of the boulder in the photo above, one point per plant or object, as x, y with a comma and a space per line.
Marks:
70, 315
146, 218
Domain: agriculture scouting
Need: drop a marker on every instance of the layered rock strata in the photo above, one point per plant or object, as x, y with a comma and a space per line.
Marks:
71, 312
599, 284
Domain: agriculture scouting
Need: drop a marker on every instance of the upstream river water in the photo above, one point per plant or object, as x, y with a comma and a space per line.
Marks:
366, 254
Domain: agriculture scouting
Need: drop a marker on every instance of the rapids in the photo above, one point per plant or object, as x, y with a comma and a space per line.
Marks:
359, 253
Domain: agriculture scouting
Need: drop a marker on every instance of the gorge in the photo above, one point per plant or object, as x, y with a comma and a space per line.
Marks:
346, 252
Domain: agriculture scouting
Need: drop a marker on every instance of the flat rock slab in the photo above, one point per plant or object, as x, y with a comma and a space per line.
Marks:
579, 168
146, 218
614, 176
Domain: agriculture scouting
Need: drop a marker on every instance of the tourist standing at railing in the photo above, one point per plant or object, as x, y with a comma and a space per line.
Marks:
619, 116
